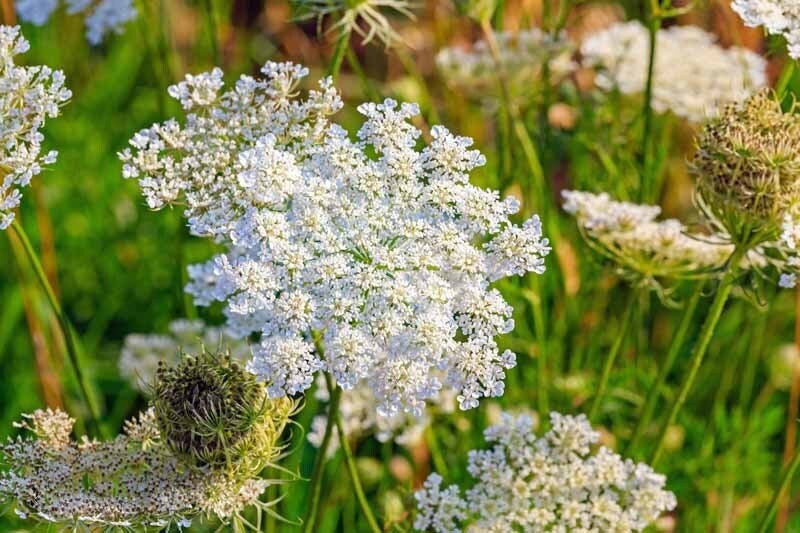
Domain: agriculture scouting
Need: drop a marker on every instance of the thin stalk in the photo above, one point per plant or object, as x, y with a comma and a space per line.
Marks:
520, 131
653, 25
351, 466
372, 93
786, 77
436, 451
315, 487
675, 348
542, 396
64, 323
608, 365
211, 24
791, 415
342, 43
700, 349
776, 497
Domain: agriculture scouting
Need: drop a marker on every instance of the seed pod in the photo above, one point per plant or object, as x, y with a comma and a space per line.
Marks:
747, 167
215, 413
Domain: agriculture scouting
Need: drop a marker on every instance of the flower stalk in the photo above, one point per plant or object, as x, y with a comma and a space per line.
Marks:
315, 487
351, 464
777, 495
700, 349
675, 347
70, 341
611, 357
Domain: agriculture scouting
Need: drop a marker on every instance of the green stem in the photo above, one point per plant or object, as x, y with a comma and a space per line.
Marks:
315, 487
674, 349
612, 354
542, 397
342, 43
436, 451
211, 24
647, 111
784, 80
63, 321
776, 497
700, 349
351, 466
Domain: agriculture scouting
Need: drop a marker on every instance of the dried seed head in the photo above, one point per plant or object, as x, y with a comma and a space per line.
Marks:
748, 168
215, 413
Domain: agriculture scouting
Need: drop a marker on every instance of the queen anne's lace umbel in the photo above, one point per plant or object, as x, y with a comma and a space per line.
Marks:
102, 16
133, 481
548, 483
28, 96
779, 17
367, 258
644, 248
693, 76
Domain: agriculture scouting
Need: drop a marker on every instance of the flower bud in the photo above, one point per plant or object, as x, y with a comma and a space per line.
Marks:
215, 413
748, 169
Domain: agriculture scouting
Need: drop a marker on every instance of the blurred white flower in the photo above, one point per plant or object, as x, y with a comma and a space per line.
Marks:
28, 96
381, 253
779, 17
644, 248
523, 54
102, 16
360, 417
693, 76
548, 483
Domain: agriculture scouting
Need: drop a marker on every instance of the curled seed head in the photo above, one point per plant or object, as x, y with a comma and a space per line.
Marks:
747, 167
215, 413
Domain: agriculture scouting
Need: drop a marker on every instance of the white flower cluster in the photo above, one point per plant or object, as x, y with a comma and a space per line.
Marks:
548, 483
640, 245
360, 418
779, 17
129, 482
28, 96
692, 76
379, 253
523, 54
141, 354
102, 16
790, 244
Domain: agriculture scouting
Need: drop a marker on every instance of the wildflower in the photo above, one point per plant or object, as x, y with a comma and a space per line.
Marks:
643, 248
215, 413
133, 481
141, 354
693, 76
363, 17
524, 55
779, 17
368, 259
548, 483
360, 418
28, 96
102, 16
747, 167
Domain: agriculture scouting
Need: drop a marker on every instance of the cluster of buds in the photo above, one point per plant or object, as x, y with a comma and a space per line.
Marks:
214, 413
747, 168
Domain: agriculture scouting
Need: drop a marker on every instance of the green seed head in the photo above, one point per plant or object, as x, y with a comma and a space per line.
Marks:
747, 167
215, 413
